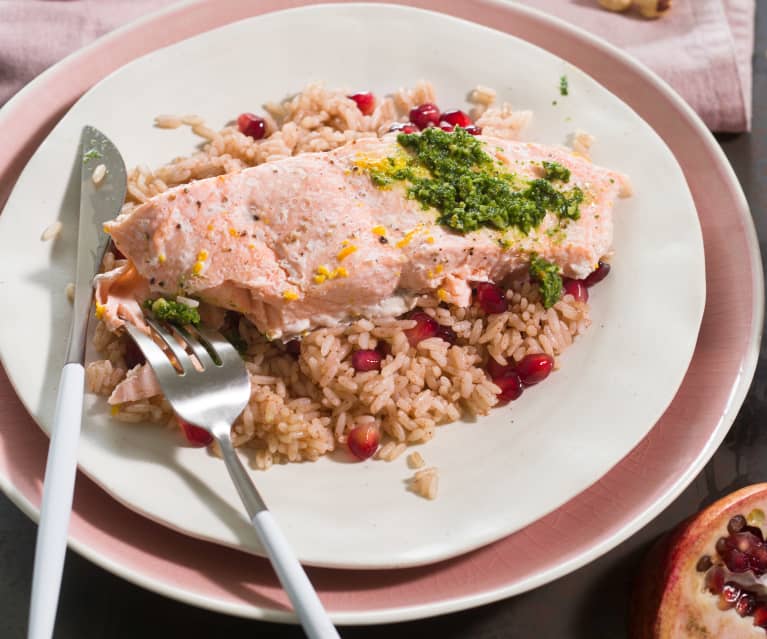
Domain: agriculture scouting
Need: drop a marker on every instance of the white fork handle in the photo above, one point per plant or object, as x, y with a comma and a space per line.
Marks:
306, 603
58, 487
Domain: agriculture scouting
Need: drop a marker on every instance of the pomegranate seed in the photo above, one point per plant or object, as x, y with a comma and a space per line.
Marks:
746, 542
745, 604
425, 115
293, 347
576, 288
133, 355
446, 127
456, 117
736, 561
426, 327
252, 125
760, 616
597, 275
736, 524
729, 596
535, 368
363, 440
491, 298
366, 359
755, 517
704, 563
384, 348
758, 559
715, 580
403, 127
194, 434
722, 545
448, 334
510, 385
366, 102
494, 369
473, 129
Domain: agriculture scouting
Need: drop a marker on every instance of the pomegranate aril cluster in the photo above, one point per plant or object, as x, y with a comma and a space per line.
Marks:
512, 379
428, 115
741, 551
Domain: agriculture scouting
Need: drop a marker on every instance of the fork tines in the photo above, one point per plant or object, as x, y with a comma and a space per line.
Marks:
182, 348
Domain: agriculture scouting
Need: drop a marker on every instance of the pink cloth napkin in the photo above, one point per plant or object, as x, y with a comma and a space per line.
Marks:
702, 47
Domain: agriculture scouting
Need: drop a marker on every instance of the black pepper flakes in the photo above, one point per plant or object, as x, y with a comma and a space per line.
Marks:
198, 203
152, 281
256, 218
383, 240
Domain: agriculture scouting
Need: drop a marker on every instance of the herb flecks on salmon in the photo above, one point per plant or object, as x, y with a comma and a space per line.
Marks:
173, 311
452, 173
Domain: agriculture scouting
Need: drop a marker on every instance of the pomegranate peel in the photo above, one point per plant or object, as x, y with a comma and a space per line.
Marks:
673, 596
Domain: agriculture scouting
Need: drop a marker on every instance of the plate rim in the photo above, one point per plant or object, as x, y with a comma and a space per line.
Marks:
427, 549
737, 393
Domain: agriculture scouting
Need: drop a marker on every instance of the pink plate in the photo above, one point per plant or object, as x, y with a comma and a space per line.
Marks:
624, 500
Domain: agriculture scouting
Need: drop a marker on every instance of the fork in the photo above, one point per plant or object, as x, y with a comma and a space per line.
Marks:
205, 381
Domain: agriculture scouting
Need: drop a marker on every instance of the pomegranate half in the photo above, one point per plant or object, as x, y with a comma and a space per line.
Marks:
708, 577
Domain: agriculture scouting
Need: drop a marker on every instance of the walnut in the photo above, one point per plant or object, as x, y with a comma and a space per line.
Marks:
653, 8
615, 5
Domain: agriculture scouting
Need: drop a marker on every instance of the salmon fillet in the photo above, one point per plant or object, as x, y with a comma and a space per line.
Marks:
310, 241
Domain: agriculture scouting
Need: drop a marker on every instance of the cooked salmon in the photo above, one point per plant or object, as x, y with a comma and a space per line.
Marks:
311, 241
139, 383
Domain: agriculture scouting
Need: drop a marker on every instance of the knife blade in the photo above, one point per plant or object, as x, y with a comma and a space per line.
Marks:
99, 202
103, 183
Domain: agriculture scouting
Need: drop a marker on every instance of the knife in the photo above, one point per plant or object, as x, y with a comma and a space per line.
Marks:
101, 196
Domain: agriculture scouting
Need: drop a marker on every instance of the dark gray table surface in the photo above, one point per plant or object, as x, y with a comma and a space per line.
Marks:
590, 603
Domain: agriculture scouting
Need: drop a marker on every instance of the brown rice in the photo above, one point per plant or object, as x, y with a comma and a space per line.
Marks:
302, 408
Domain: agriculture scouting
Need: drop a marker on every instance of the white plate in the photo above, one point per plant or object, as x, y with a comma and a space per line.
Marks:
496, 475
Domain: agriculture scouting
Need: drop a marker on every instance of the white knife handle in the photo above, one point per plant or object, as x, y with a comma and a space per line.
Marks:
307, 605
58, 487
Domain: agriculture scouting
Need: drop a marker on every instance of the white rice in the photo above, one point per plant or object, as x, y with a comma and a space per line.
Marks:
51, 232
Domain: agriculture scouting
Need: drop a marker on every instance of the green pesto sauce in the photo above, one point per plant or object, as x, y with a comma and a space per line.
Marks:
92, 154
173, 312
549, 280
555, 171
452, 173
